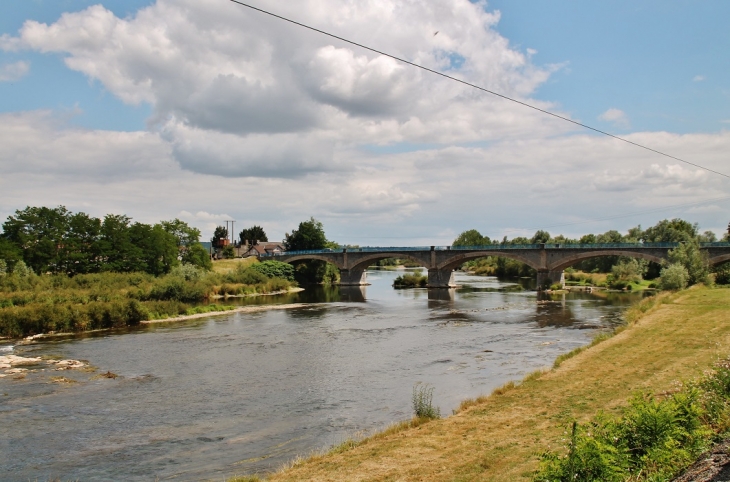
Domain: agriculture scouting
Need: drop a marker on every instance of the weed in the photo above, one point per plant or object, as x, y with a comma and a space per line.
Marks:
422, 402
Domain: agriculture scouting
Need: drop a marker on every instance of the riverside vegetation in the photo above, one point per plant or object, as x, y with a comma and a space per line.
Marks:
644, 401
34, 304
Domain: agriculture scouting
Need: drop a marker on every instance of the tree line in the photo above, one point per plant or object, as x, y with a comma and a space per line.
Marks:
688, 265
58, 241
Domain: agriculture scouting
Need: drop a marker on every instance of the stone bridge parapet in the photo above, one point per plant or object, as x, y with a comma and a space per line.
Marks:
548, 259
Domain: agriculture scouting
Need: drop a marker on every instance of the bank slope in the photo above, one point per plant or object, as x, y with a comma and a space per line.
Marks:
500, 437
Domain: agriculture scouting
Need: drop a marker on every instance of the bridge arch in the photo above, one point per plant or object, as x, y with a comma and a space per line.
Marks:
565, 262
311, 257
459, 259
719, 259
365, 261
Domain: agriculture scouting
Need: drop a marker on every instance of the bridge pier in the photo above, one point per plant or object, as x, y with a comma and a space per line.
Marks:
546, 278
441, 278
353, 277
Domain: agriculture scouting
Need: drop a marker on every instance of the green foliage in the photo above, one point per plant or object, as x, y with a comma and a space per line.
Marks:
540, 237
219, 235
722, 273
654, 439
674, 277
422, 400
185, 235
197, 255
31, 304
228, 252
674, 231
275, 269
21, 270
689, 256
471, 237
253, 234
411, 280
3, 268
308, 236
188, 272
628, 270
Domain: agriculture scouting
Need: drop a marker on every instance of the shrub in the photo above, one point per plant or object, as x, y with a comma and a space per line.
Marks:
722, 274
674, 277
415, 280
188, 272
422, 402
654, 439
275, 269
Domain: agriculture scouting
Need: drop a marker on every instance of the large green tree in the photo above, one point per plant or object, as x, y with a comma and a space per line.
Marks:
219, 235
185, 235
472, 237
308, 236
39, 233
253, 234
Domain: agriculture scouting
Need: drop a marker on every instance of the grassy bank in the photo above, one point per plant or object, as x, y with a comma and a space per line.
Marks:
33, 304
670, 338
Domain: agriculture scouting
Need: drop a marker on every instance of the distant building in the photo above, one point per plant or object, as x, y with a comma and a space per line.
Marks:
263, 248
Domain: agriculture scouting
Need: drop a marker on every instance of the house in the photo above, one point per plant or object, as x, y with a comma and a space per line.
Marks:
259, 249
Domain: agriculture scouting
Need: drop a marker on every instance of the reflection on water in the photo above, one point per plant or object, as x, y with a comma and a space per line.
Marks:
243, 393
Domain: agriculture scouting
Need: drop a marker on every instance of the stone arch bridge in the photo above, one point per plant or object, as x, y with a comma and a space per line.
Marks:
548, 259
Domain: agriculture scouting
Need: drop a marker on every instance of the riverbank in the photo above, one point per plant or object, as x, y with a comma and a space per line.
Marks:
675, 337
240, 309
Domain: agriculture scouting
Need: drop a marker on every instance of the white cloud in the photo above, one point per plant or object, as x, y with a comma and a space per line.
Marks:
616, 117
264, 123
214, 70
14, 72
698, 78
38, 141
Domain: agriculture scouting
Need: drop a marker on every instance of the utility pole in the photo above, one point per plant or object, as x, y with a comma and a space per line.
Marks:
232, 231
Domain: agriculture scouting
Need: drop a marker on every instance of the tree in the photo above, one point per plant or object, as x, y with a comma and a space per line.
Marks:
540, 237
185, 235
81, 249
118, 253
197, 255
219, 235
253, 234
628, 270
674, 277
674, 231
156, 251
471, 237
689, 256
9, 252
308, 236
39, 233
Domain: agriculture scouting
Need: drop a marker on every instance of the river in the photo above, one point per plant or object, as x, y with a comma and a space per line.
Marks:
244, 393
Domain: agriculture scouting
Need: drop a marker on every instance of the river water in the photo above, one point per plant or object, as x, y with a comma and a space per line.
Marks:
244, 393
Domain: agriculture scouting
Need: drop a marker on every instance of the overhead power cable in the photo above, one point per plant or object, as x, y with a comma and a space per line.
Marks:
525, 104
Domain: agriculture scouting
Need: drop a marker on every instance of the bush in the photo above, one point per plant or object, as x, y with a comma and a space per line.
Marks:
722, 274
422, 402
415, 280
654, 439
275, 269
674, 277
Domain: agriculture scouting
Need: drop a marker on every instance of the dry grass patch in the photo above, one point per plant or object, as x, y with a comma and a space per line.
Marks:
224, 266
499, 437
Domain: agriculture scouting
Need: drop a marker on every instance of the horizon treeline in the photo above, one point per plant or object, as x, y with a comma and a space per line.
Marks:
58, 241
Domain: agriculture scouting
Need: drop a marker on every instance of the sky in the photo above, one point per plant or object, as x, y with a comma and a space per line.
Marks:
207, 111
